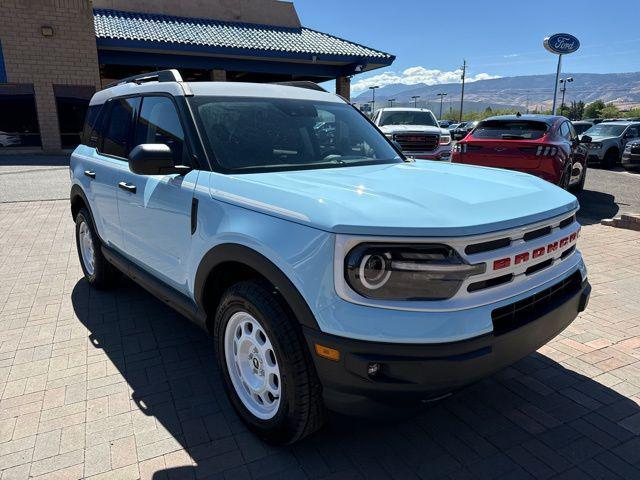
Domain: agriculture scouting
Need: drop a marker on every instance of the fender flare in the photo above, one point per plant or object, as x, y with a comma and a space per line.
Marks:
232, 252
76, 191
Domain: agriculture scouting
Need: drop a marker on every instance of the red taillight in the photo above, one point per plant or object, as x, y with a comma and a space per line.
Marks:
546, 151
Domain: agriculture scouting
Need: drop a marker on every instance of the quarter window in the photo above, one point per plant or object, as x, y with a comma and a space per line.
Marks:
118, 130
159, 123
564, 131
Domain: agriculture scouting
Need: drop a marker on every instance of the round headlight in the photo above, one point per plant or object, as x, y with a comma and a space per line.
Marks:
374, 270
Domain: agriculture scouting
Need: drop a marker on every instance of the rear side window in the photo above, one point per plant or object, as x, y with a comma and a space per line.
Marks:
89, 135
159, 123
510, 129
117, 131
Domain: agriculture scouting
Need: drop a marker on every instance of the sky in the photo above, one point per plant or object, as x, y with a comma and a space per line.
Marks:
499, 38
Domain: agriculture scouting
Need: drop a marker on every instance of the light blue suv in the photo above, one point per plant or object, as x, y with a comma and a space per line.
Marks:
332, 272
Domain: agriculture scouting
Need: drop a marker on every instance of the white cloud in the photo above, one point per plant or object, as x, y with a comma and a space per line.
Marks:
511, 55
415, 75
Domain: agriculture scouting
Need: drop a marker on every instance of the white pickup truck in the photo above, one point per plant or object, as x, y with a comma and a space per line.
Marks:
416, 131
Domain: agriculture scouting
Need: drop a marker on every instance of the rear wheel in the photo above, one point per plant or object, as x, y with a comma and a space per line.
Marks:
268, 372
610, 159
579, 187
565, 178
97, 270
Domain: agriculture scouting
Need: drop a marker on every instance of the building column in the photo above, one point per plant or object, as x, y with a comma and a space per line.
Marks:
218, 75
47, 117
343, 87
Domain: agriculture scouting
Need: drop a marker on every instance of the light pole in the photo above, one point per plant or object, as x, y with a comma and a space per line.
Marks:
415, 100
464, 74
441, 95
373, 98
563, 82
391, 100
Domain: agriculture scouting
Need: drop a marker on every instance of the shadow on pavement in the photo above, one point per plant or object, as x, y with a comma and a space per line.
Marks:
533, 420
594, 206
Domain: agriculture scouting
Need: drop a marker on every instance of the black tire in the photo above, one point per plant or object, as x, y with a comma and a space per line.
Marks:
579, 187
301, 410
610, 159
104, 275
565, 178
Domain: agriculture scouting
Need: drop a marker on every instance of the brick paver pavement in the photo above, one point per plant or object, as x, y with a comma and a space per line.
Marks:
114, 385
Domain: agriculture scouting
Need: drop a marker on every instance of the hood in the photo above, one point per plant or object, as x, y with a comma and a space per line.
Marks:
406, 199
600, 138
413, 128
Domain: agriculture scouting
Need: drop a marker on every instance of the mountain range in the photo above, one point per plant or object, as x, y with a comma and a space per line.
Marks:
622, 89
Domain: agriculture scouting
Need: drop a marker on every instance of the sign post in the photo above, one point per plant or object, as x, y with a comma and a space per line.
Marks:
560, 44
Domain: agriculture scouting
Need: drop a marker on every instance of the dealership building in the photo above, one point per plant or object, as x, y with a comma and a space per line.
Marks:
54, 54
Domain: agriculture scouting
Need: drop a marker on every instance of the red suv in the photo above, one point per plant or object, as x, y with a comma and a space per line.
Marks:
543, 145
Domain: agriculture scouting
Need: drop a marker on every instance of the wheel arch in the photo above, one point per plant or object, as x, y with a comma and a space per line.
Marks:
228, 263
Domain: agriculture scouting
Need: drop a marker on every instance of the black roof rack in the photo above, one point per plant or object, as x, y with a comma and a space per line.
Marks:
309, 85
159, 76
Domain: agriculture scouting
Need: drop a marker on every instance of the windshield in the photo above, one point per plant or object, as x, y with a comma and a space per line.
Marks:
407, 117
270, 134
605, 130
510, 129
580, 128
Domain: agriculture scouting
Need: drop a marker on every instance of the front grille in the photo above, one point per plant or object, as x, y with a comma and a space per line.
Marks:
515, 315
417, 142
487, 246
541, 232
567, 221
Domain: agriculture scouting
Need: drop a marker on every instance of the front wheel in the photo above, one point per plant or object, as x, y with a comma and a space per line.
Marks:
610, 159
268, 373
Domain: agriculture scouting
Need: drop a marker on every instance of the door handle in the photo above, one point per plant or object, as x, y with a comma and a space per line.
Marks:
127, 186
90, 173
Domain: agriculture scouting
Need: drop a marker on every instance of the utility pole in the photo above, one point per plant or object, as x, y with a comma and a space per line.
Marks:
373, 98
563, 82
464, 74
391, 100
441, 95
415, 100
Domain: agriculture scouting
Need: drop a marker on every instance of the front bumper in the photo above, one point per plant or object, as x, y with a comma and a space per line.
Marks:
411, 373
443, 152
630, 159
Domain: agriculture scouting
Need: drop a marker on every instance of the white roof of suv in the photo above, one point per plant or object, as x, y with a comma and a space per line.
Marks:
223, 89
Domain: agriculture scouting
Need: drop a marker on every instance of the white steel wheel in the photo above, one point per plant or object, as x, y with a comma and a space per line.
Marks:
87, 252
252, 365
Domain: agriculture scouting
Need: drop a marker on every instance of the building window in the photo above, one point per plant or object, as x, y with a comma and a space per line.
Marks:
72, 102
20, 128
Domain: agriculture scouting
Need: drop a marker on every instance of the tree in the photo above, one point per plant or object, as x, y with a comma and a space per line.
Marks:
633, 113
594, 109
610, 111
576, 110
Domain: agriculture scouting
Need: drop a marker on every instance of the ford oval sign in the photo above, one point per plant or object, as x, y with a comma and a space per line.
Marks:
561, 43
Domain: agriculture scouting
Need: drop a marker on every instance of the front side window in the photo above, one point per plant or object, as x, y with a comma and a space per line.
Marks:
158, 122
267, 134
117, 132
407, 117
510, 129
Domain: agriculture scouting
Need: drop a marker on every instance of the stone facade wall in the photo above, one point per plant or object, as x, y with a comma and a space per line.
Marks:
68, 57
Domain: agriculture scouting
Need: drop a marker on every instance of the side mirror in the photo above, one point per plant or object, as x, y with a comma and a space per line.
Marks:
153, 159
585, 139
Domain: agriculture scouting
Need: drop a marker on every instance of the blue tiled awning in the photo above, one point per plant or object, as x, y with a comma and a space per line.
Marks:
239, 38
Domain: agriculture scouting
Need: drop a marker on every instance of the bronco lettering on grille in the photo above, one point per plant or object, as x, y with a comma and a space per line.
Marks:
524, 257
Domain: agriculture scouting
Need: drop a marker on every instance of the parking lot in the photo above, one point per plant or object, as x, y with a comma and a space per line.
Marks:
116, 385
116, 382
